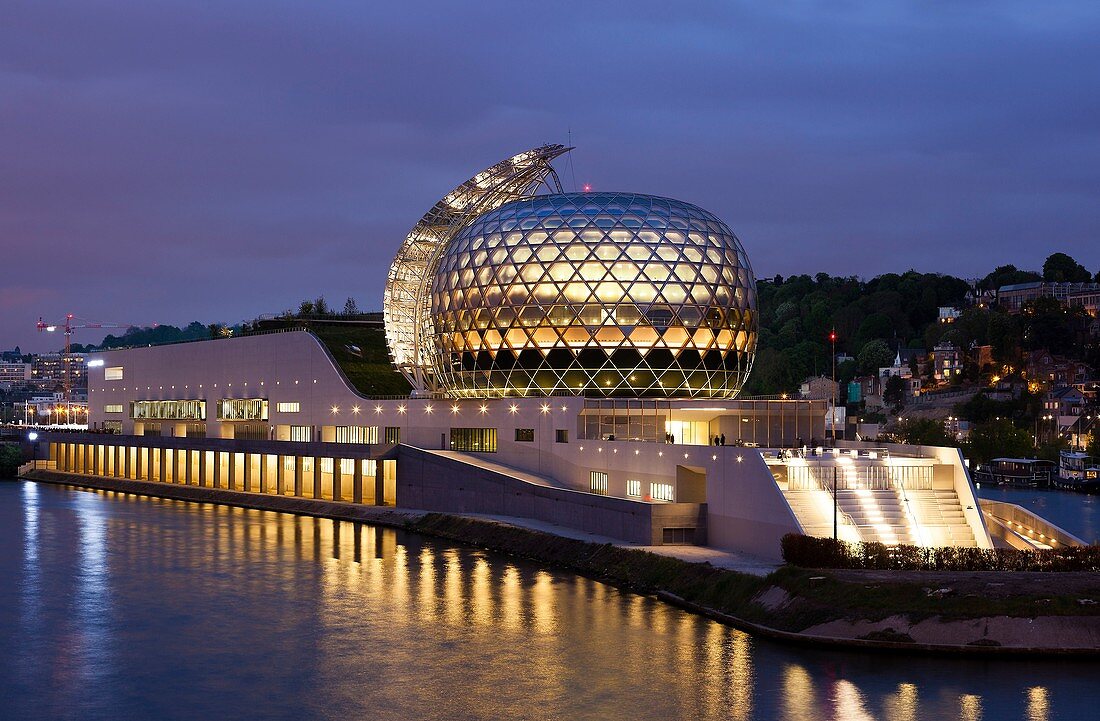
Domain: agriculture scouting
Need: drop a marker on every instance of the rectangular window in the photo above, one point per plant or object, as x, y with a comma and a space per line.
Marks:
356, 434
114, 373
474, 440
561, 435
249, 431
190, 410
301, 433
661, 491
525, 434
242, 409
393, 434
113, 427
634, 489
599, 482
112, 408
292, 407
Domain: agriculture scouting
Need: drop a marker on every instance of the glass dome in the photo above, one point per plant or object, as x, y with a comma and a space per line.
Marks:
606, 294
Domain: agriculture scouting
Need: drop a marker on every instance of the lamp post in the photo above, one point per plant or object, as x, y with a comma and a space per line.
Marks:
833, 389
33, 438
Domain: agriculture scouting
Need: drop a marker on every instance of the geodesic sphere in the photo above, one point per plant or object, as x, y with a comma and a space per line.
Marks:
608, 294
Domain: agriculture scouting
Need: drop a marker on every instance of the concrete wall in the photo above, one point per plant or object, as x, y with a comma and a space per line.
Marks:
435, 482
746, 510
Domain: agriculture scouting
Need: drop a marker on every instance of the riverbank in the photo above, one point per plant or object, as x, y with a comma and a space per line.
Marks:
1006, 614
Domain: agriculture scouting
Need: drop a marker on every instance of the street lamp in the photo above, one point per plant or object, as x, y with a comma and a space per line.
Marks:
33, 438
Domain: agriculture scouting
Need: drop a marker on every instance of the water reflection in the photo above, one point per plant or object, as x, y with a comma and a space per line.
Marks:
114, 606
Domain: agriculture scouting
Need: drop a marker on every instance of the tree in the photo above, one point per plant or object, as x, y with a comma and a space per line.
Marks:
1061, 268
10, 459
997, 439
1008, 275
350, 307
305, 308
923, 432
893, 394
874, 355
320, 307
1093, 447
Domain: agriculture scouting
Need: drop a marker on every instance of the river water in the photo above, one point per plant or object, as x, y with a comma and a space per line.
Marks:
1078, 513
122, 607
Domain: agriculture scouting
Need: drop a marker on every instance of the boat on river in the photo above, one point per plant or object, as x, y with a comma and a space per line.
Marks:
1024, 472
1078, 471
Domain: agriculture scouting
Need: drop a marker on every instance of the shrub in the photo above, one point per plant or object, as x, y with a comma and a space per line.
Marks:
813, 552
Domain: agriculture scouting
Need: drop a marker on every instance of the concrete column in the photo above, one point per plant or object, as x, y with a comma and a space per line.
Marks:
202, 468
316, 477
357, 482
188, 475
163, 477
248, 472
337, 479
263, 472
298, 473
231, 472
379, 483
279, 474
216, 481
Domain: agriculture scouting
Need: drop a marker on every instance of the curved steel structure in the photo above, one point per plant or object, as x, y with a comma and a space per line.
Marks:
406, 304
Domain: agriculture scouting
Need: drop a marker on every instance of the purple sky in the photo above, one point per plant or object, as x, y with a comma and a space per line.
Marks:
173, 161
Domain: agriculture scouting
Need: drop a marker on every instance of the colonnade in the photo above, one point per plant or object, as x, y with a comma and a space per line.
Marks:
354, 480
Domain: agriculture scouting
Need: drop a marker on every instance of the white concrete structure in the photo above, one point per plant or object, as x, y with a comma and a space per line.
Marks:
655, 456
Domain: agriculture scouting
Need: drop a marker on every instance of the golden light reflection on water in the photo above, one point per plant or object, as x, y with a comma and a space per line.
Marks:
487, 631
1038, 706
970, 707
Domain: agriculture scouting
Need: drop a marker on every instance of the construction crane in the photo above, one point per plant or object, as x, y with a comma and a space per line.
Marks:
68, 327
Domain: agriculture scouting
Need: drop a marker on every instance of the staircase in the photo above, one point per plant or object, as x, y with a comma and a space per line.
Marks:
891, 517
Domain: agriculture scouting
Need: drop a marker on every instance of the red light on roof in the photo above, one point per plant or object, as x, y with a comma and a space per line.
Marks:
587, 188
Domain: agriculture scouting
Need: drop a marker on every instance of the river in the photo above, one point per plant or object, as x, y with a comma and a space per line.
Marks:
123, 607
1078, 513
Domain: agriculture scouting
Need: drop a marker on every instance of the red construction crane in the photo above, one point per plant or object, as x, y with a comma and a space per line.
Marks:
68, 327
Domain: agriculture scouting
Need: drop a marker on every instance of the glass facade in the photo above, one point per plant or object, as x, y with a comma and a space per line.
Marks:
611, 294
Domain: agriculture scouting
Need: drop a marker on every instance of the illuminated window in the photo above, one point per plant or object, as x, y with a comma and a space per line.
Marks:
661, 491
112, 408
290, 407
634, 488
113, 426
114, 373
475, 440
525, 434
561, 435
598, 480
356, 434
301, 433
393, 434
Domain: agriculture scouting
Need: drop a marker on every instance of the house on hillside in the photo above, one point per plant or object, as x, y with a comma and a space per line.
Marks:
819, 388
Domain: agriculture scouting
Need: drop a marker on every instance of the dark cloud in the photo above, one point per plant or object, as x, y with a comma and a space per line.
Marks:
165, 161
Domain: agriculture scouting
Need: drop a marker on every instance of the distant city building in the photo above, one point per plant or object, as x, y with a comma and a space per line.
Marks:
1012, 298
949, 314
947, 362
1088, 299
13, 373
1044, 367
819, 388
51, 366
903, 371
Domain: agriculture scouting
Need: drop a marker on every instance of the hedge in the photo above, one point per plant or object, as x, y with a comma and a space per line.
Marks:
814, 552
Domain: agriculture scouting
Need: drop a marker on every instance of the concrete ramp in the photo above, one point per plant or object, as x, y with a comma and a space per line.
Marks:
452, 482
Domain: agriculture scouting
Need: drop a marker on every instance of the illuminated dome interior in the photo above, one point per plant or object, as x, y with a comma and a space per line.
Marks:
612, 294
